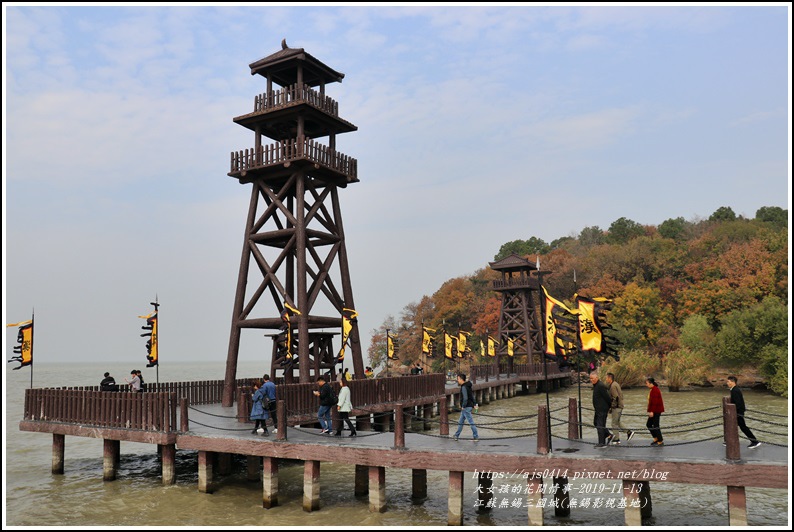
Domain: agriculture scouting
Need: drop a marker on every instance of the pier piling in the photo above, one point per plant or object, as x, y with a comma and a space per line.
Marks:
377, 489
455, 499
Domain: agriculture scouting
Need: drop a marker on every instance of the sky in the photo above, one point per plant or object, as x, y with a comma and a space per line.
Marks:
477, 126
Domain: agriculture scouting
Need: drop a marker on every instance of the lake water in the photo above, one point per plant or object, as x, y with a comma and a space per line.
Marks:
80, 498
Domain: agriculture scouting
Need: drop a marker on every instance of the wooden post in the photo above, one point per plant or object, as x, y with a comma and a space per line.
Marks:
534, 495
377, 421
562, 506
362, 481
169, 464
183, 419
399, 427
419, 483
646, 506
543, 431
205, 459
242, 415
737, 506
58, 445
427, 413
443, 411
281, 412
377, 489
633, 511
311, 485
270, 482
224, 463
253, 468
484, 492
731, 430
573, 419
110, 450
363, 423
455, 499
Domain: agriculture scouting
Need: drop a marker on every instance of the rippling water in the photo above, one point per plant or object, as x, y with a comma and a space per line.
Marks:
79, 497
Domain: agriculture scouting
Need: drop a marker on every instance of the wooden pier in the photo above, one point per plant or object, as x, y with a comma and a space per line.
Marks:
412, 433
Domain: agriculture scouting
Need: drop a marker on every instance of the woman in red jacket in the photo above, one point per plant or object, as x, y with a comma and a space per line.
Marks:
655, 409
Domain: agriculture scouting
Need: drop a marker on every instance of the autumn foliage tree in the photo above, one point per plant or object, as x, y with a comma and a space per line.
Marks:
684, 282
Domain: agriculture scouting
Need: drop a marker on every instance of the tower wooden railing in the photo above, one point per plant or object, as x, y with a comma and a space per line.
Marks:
292, 150
293, 94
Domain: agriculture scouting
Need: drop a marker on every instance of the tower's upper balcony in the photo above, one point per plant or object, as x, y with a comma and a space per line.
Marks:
516, 283
275, 162
275, 113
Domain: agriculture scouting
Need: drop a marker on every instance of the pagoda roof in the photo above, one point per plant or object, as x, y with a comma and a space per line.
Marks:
282, 67
512, 262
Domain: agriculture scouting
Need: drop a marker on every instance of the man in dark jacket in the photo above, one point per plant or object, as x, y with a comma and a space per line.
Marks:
327, 400
738, 399
467, 403
601, 403
108, 384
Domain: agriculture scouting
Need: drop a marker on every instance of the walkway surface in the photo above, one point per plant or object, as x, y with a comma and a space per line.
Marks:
217, 421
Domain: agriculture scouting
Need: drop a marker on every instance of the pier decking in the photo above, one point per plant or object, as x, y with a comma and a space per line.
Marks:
414, 434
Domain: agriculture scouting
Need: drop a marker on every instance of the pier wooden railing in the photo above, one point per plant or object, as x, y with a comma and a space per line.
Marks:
493, 371
124, 410
196, 392
300, 400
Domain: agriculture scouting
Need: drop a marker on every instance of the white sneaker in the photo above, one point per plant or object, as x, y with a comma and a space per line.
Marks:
755, 445
275, 431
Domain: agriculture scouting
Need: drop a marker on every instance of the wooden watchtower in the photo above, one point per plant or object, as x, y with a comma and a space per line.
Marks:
294, 240
520, 316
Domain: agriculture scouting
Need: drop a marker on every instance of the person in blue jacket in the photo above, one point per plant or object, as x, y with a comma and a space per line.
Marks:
259, 413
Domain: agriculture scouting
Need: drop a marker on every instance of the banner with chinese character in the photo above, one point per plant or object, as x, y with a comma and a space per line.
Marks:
24, 349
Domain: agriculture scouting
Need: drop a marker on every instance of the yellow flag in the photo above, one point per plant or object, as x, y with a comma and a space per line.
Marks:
348, 319
491, 346
447, 345
509, 347
589, 333
389, 347
24, 349
427, 340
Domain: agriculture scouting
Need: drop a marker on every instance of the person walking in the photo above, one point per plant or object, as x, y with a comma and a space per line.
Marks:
601, 405
616, 409
466, 405
269, 388
655, 410
259, 412
344, 406
738, 399
327, 401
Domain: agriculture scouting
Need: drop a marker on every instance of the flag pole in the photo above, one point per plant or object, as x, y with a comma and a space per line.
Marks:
578, 356
157, 307
543, 358
32, 334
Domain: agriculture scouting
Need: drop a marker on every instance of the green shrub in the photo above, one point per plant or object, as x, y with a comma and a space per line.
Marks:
633, 368
684, 366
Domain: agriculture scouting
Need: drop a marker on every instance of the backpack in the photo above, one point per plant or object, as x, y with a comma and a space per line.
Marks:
265, 402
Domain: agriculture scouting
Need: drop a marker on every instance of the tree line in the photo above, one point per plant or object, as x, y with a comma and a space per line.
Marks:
688, 295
